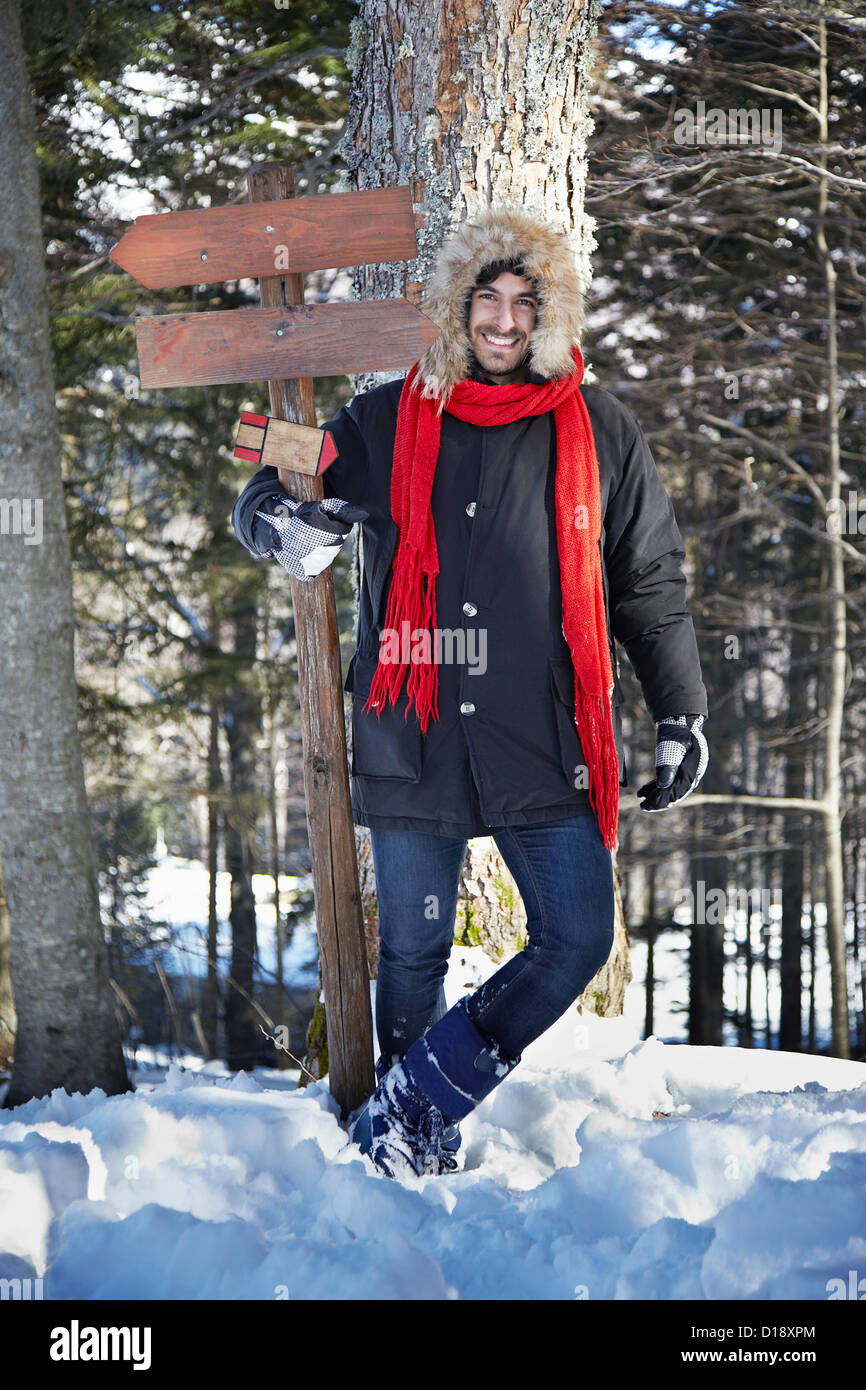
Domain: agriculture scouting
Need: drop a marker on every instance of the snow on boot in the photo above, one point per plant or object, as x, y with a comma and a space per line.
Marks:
443, 1076
448, 1146
358, 1127
399, 1129
360, 1130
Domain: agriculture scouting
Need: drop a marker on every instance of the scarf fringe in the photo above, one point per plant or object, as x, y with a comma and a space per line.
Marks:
594, 719
412, 597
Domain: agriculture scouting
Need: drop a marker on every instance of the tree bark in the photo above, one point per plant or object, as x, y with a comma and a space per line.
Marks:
67, 1032
7, 1001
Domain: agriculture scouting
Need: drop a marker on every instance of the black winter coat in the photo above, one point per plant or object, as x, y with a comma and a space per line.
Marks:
505, 749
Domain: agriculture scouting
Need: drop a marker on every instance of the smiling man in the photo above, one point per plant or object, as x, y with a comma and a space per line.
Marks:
500, 495
501, 320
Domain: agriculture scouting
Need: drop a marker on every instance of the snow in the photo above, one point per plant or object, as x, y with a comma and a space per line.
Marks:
176, 897
201, 1184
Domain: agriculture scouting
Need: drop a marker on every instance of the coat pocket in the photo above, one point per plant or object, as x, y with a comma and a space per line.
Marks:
573, 763
384, 745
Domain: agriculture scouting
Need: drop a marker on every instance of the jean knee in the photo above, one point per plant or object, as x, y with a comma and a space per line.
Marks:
583, 958
425, 958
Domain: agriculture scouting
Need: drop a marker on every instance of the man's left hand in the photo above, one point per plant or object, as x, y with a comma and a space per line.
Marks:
682, 756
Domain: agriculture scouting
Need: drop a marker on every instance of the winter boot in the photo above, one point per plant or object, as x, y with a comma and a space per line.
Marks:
443, 1076
359, 1129
448, 1147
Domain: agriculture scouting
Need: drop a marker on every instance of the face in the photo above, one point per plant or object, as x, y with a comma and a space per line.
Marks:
503, 311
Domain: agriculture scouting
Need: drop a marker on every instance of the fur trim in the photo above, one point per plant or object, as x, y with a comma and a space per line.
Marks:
494, 234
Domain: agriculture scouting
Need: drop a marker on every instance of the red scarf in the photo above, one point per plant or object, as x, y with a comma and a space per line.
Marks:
412, 595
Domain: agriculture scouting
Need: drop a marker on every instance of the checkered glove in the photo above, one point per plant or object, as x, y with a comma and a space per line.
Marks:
682, 756
305, 537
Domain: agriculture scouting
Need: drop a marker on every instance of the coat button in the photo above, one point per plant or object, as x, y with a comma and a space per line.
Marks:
470, 610
467, 707
470, 509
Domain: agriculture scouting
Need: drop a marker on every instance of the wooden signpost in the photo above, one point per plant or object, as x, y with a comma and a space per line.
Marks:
275, 237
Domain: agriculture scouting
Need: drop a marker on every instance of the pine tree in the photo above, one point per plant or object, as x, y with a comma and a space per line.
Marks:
67, 1034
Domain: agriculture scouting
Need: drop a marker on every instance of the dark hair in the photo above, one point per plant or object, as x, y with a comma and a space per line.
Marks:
491, 272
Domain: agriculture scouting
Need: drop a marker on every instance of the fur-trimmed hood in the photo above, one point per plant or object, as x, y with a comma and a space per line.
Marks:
501, 234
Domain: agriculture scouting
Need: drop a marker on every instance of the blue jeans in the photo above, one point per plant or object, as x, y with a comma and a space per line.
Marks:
564, 875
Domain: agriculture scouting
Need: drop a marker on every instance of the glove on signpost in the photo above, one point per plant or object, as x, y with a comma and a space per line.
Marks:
304, 537
682, 756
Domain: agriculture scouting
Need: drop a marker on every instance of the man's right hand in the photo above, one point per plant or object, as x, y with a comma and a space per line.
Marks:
305, 537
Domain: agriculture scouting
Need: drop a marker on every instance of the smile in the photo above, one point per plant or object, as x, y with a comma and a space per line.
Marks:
500, 342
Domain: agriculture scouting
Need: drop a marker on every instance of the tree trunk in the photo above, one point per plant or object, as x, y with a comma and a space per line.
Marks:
650, 978
210, 1005
425, 112
837, 621
7, 1001
279, 1010
243, 727
707, 953
793, 866
67, 1032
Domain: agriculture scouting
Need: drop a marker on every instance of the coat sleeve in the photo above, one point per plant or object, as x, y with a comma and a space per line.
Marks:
644, 554
346, 478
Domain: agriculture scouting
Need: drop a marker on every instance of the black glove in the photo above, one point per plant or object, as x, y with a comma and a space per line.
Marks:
305, 537
682, 756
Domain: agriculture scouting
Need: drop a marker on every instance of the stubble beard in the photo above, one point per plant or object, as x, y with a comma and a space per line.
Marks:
499, 363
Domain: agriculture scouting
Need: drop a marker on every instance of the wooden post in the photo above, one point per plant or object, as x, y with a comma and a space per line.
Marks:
339, 917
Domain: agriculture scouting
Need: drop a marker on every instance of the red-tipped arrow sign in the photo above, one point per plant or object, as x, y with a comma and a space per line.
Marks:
261, 439
198, 247
374, 335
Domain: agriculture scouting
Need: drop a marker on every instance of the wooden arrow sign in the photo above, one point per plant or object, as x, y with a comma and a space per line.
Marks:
302, 340
293, 235
303, 449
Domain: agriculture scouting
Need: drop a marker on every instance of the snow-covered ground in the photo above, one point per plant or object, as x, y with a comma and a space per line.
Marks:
203, 1185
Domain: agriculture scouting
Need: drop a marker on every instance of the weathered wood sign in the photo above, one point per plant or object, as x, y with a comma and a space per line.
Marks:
202, 246
209, 349
286, 342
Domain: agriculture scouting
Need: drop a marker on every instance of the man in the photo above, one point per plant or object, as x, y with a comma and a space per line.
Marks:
510, 510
